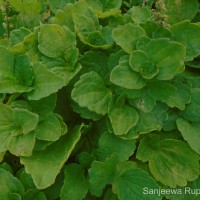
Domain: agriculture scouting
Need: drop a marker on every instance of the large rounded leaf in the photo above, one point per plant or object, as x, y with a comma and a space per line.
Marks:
172, 162
75, 184
54, 40
180, 10
9, 184
45, 82
91, 92
45, 165
134, 184
188, 34
126, 36
190, 132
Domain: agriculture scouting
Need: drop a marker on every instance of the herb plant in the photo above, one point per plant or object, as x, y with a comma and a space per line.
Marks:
99, 99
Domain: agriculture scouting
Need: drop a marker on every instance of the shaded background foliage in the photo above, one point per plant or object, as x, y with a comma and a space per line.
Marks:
99, 99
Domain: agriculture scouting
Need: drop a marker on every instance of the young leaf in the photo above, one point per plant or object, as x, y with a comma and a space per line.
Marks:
167, 55
24, 121
122, 75
48, 129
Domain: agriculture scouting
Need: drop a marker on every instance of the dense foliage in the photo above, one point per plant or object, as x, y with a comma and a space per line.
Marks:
99, 99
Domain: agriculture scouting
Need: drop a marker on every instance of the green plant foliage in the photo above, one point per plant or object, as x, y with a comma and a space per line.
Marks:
99, 100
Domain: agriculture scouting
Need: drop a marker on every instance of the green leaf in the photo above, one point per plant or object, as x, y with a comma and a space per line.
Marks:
15, 122
126, 36
144, 102
17, 35
48, 129
114, 144
5, 137
94, 61
122, 118
172, 162
10, 196
108, 5
2, 154
109, 195
188, 34
187, 193
101, 174
182, 97
59, 4
167, 55
6, 116
148, 122
7, 62
190, 133
45, 165
62, 124
25, 179
90, 32
64, 17
44, 106
91, 92
140, 14
75, 184
23, 71
45, 82
139, 62
22, 145
24, 121
161, 90
9, 184
6, 119
54, 40
122, 75
34, 194
130, 184
31, 6
177, 11
85, 113
192, 110
9, 84
65, 74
